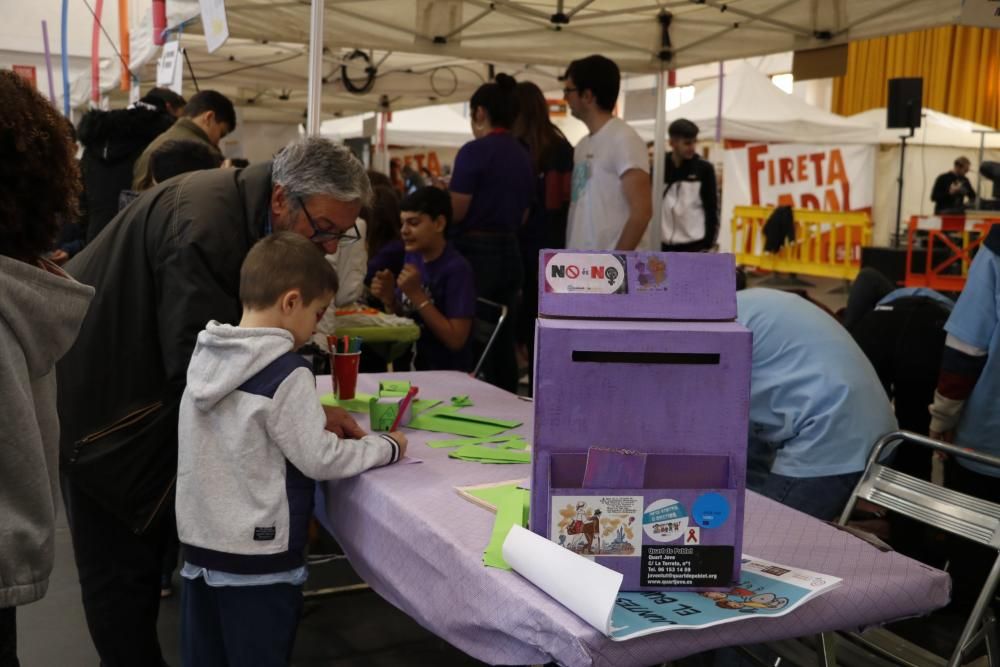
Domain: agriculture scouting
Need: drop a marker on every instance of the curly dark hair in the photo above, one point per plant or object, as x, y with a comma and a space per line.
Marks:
39, 176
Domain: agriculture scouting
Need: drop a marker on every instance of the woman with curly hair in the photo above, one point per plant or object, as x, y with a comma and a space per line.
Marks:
41, 309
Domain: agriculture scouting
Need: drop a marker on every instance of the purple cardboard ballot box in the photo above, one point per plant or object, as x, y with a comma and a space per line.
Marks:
642, 383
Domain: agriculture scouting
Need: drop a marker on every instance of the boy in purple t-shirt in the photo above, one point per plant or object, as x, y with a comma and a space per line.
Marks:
436, 286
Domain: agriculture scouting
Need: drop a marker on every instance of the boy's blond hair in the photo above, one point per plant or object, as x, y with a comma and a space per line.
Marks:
281, 262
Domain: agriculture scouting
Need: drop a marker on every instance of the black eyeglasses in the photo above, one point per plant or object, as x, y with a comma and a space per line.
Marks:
325, 236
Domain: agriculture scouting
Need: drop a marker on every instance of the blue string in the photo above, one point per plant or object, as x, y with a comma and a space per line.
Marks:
65, 58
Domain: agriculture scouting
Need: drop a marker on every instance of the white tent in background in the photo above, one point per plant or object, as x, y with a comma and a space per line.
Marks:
754, 109
929, 153
437, 126
936, 129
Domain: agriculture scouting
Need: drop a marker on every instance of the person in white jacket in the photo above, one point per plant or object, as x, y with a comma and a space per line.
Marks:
252, 440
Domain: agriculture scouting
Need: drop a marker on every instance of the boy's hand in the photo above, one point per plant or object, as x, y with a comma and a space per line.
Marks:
383, 287
342, 423
409, 282
401, 441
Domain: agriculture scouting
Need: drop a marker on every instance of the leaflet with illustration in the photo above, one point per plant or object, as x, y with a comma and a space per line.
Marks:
591, 591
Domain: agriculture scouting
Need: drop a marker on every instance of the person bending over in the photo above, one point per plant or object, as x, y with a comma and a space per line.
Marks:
816, 404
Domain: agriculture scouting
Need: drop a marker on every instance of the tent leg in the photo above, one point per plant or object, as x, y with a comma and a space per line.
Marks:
314, 106
659, 157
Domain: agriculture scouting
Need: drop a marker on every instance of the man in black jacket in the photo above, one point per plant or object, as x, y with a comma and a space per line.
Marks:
162, 269
690, 217
952, 189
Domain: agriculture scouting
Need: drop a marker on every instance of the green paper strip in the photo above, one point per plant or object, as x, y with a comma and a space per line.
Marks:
510, 511
357, 404
421, 404
458, 442
484, 454
444, 420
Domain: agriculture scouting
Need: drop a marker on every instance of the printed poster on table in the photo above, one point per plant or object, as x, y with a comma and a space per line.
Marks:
765, 589
593, 591
826, 178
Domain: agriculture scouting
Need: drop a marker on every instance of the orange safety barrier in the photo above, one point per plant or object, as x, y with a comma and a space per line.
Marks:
827, 243
960, 235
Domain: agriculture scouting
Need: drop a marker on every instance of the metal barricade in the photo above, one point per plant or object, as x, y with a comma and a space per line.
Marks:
827, 243
949, 242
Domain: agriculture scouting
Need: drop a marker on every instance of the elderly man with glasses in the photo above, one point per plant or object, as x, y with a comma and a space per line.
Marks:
164, 267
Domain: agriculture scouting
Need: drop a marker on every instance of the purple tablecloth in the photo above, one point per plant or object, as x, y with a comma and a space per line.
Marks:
419, 545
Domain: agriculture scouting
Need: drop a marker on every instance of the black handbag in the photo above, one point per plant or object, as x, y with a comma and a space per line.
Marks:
130, 466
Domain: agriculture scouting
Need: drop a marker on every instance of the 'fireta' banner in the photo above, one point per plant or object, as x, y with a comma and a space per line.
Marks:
826, 178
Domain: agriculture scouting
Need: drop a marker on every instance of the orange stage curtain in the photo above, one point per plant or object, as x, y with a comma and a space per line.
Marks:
960, 67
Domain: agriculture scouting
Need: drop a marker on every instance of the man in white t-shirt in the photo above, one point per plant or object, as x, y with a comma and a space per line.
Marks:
611, 204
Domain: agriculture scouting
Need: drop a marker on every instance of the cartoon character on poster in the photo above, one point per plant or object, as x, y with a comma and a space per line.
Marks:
598, 526
746, 601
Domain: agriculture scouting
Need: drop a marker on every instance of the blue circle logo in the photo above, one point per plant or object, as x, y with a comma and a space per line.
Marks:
710, 510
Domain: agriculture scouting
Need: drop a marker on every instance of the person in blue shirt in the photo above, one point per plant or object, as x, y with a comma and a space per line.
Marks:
966, 408
816, 404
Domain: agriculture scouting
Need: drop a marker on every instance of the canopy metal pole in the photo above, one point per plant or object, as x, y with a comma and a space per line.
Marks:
659, 156
314, 106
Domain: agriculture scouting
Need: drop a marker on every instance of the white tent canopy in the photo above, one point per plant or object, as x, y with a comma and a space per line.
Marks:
936, 129
269, 81
439, 126
754, 109
555, 32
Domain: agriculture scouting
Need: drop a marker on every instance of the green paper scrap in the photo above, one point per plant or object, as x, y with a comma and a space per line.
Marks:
444, 419
492, 495
441, 444
383, 415
516, 443
357, 404
462, 401
421, 404
391, 388
484, 454
511, 509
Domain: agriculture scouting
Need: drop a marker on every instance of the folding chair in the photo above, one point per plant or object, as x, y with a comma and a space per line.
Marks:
490, 316
957, 513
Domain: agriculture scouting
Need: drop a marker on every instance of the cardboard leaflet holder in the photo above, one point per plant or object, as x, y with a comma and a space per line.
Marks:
641, 406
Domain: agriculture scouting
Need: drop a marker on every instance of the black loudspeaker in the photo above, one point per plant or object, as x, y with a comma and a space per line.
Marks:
905, 102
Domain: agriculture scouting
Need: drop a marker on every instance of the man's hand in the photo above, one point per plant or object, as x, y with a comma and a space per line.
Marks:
401, 441
342, 423
59, 257
383, 287
409, 283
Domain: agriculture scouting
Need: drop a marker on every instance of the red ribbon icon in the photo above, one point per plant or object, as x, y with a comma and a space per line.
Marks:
691, 536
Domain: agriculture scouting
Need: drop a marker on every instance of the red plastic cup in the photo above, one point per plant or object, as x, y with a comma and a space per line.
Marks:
345, 374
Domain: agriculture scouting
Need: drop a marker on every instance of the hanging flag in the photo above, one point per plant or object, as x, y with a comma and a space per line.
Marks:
214, 23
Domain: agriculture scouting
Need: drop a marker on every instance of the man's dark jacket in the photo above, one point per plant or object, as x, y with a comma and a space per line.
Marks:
164, 267
112, 141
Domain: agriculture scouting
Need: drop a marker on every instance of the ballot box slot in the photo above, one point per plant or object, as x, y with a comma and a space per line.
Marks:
646, 358
662, 471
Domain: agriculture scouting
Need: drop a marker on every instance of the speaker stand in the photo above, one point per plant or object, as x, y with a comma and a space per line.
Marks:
897, 240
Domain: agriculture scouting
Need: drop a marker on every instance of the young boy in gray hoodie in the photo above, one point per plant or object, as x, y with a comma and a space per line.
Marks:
252, 440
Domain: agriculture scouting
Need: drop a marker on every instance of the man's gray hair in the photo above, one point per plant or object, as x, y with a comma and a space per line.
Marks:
316, 166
